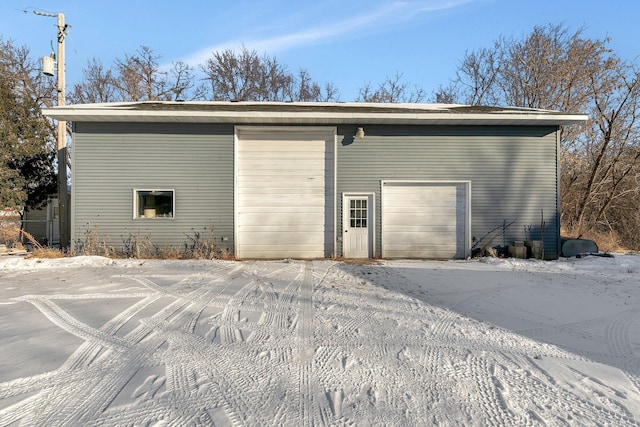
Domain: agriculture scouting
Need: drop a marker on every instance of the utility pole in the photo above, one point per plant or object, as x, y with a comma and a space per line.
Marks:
63, 196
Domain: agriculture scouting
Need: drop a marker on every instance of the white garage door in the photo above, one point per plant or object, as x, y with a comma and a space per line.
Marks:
284, 192
425, 220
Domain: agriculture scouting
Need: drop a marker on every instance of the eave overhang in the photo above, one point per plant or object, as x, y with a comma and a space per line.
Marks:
299, 113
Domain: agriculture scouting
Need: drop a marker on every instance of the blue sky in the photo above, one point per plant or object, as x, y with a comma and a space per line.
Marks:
347, 42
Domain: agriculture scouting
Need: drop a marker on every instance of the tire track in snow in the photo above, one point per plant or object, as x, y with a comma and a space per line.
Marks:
618, 338
158, 325
617, 333
305, 348
344, 339
534, 399
334, 352
489, 405
277, 310
373, 368
234, 392
95, 341
65, 321
479, 369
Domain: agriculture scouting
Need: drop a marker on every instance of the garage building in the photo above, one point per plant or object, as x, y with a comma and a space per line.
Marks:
317, 180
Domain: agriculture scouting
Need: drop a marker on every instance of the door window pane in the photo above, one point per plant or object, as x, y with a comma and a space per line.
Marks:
358, 213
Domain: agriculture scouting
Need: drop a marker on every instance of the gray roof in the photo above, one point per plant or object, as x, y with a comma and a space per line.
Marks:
309, 113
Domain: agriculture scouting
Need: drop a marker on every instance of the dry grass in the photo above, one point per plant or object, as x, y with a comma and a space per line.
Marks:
9, 232
47, 253
198, 245
31, 239
93, 244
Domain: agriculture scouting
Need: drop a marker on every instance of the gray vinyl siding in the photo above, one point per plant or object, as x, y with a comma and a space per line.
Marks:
112, 159
513, 172
512, 169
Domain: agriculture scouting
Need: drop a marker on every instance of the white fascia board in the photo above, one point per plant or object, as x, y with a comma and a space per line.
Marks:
119, 113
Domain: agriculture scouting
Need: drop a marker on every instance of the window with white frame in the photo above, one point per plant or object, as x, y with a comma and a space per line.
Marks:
153, 203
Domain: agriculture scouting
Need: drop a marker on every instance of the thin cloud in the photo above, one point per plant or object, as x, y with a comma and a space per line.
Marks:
377, 20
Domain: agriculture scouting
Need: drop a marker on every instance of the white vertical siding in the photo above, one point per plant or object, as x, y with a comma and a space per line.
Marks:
284, 192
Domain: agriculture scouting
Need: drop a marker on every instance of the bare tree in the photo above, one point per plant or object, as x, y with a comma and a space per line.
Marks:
446, 94
478, 74
393, 89
549, 69
98, 85
557, 70
139, 77
228, 75
603, 165
136, 77
247, 76
183, 83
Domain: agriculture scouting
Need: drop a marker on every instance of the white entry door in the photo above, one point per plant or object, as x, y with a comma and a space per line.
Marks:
358, 226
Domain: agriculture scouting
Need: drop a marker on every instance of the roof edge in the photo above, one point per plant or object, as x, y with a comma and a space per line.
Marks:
307, 113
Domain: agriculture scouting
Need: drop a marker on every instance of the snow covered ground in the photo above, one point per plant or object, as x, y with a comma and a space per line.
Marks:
94, 341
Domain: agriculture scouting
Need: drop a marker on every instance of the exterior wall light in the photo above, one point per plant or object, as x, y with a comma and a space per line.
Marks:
359, 133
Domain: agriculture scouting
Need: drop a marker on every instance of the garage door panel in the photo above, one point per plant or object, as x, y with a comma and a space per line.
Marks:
276, 237
273, 200
437, 237
283, 190
425, 247
417, 202
250, 186
265, 219
268, 252
267, 136
281, 145
424, 220
279, 168
426, 252
419, 218
420, 230
434, 215
306, 185
426, 206
255, 158
299, 195
420, 205
416, 191
300, 210
416, 196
